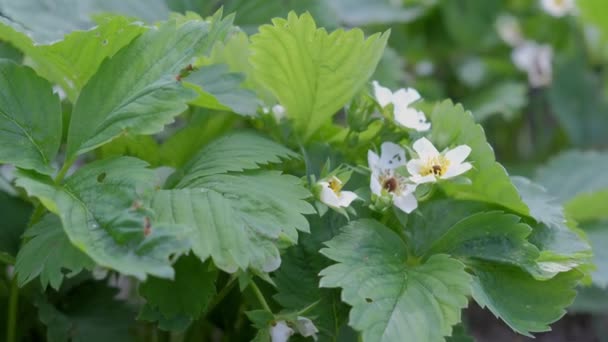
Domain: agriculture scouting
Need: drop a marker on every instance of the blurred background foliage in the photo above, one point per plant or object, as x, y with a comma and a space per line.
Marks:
534, 78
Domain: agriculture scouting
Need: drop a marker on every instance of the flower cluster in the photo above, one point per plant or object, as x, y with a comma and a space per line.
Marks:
393, 178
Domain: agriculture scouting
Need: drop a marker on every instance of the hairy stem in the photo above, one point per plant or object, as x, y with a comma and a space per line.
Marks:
11, 323
260, 296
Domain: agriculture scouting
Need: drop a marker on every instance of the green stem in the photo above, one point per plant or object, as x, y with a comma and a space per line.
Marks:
64, 170
260, 296
306, 163
11, 323
220, 296
7, 259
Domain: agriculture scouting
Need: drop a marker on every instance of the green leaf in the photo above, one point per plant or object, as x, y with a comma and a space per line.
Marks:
31, 128
573, 173
468, 229
220, 89
201, 128
527, 305
175, 323
187, 295
391, 300
71, 61
147, 95
237, 218
47, 253
88, 313
597, 232
15, 215
561, 246
313, 73
232, 152
297, 280
593, 12
490, 183
101, 212
506, 99
362, 12
143, 147
578, 103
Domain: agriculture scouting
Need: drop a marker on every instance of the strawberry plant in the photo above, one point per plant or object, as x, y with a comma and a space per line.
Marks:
185, 178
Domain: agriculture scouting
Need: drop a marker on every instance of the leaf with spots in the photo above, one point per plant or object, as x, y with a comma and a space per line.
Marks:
100, 207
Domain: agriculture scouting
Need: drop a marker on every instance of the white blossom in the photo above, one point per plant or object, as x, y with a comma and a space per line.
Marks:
306, 327
280, 332
558, 8
536, 60
332, 194
386, 180
509, 30
432, 165
401, 100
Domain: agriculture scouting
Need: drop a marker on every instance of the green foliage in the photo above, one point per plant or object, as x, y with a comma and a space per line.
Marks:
561, 246
313, 73
100, 209
90, 313
391, 300
16, 213
220, 89
32, 128
470, 230
147, 95
188, 294
35, 259
233, 152
525, 304
453, 126
597, 232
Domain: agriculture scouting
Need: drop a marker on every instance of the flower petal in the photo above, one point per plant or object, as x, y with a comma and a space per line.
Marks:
456, 170
328, 196
384, 96
414, 166
411, 118
402, 98
418, 179
280, 332
425, 149
458, 154
374, 184
373, 160
406, 202
346, 198
392, 155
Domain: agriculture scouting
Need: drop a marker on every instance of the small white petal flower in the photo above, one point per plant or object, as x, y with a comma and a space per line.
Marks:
306, 327
280, 332
558, 8
385, 179
536, 60
401, 100
509, 30
432, 165
332, 194
278, 112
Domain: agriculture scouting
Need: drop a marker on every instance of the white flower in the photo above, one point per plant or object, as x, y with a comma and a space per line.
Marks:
332, 194
536, 60
386, 179
306, 327
278, 112
508, 29
432, 165
558, 8
401, 101
280, 332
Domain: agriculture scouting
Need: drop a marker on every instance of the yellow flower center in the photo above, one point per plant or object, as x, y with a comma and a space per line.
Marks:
436, 166
335, 185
